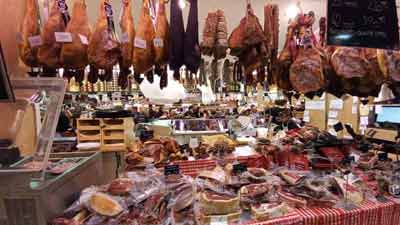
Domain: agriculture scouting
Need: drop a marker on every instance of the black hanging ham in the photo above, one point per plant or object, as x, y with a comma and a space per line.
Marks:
177, 31
192, 49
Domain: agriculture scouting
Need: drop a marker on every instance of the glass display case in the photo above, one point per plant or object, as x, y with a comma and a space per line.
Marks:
35, 182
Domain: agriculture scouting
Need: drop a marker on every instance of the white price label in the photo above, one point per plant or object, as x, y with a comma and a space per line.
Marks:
315, 105
63, 37
332, 122
140, 43
219, 220
158, 42
84, 39
337, 104
125, 38
333, 114
35, 41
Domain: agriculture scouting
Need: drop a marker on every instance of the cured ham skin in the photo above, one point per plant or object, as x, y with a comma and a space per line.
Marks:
104, 49
30, 27
74, 55
144, 53
162, 36
50, 51
127, 42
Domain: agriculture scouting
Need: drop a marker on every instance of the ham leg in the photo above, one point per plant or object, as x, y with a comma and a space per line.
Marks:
29, 28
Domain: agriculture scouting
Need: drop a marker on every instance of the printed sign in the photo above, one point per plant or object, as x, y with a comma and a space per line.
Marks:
363, 23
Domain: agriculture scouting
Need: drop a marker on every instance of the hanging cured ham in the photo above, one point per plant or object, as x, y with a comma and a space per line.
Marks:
271, 31
371, 84
349, 62
127, 39
359, 69
247, 42
50, 51
177, 31
285, 59
161, 44
389, 63
192, 49
143, 53
29, 31
334, 82
306, 72
209, 33
104, 48
74, 54
161, 41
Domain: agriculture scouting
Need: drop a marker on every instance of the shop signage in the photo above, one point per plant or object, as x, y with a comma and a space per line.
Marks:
6, 91
363, 23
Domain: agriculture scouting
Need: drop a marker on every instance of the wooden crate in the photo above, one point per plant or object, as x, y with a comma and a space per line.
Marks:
112, 134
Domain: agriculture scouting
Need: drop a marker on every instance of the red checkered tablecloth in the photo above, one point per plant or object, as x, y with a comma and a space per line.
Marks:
370, 213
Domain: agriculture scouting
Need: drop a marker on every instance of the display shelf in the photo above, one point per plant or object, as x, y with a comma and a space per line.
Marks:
113, 134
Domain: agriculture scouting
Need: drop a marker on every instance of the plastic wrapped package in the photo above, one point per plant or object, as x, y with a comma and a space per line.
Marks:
182, 200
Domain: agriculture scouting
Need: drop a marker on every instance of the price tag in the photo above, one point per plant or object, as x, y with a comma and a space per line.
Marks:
84, 39
239, 168
337, 104
140, 43
171, 170
219, 220
63, 37
333, 114
35, 41
124, 38
158, 42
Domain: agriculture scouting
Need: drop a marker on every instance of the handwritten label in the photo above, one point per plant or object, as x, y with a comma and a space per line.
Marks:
35, 41
140, 43
63, 37
84, 39
363, 23
219, 220
124, 38
158, 42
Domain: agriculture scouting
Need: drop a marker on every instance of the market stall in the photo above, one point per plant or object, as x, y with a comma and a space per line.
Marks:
188, 112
